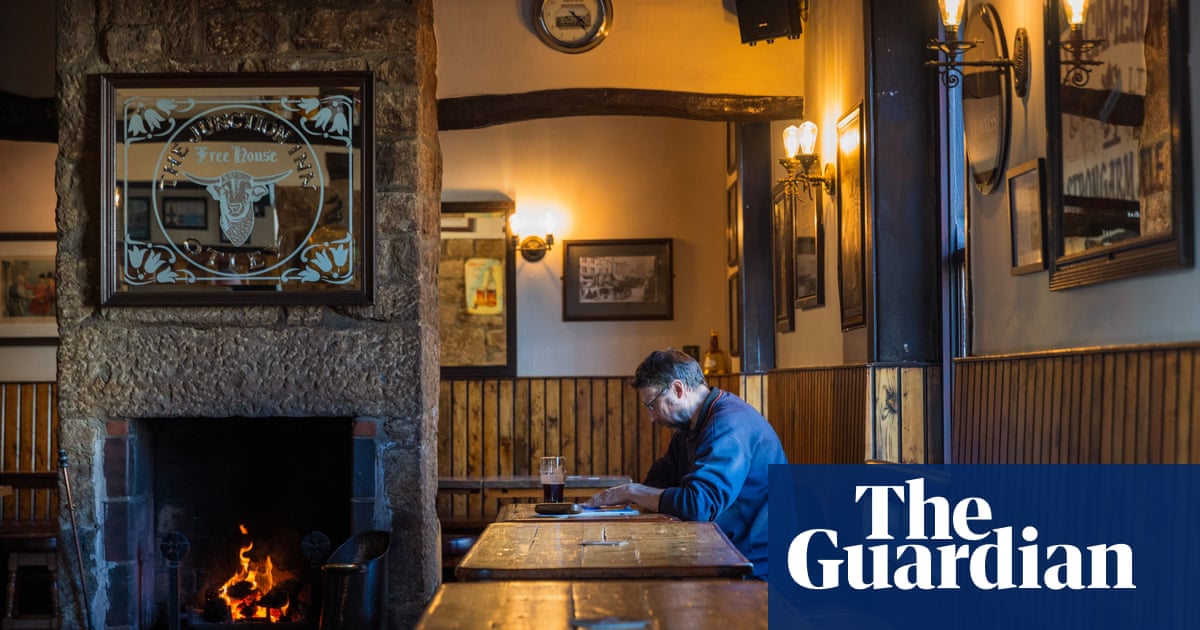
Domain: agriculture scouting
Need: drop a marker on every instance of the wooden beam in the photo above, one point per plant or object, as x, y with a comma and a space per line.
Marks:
27, 119
474, 112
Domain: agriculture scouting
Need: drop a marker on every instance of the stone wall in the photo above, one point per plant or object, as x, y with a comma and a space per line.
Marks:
378, 363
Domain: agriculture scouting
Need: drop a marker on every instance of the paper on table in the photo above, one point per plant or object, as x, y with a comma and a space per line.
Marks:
594, 512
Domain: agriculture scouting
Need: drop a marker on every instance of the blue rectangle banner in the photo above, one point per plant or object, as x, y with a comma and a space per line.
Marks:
985, 546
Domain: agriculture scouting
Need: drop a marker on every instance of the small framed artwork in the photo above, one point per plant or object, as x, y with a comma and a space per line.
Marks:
735, 314
809, 227
185, 213
851, 190
30, 289
731, 147
731, 225
618, 280
783, 258
1026, 212
137, 218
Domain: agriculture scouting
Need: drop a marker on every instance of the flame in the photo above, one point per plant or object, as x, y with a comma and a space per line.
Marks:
259, 579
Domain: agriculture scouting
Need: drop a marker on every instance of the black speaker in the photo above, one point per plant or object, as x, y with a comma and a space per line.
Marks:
768, 19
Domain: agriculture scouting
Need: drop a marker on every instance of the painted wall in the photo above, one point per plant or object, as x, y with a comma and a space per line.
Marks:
604, 178
834, 84
607, 177
27, 168
1020, 313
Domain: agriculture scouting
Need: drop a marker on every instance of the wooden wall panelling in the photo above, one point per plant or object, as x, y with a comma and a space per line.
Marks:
28, 444
1119, 405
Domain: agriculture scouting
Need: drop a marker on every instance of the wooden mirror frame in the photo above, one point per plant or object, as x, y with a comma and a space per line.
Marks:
1143, 254
509, 367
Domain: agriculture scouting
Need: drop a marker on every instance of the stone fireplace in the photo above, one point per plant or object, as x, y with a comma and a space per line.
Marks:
131, 379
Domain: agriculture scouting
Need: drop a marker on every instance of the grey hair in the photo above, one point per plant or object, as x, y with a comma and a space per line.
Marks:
664, 366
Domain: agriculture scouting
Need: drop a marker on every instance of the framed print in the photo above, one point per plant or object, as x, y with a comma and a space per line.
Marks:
30, 289
783, 257
735, 314
732, 235
618, 279
245, 188
137, 217
1026, 209
851, 278
731, 147
185, 213
809, 227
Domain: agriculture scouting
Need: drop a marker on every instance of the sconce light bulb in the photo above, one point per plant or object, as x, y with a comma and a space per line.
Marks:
791, 140
808, 138
952, 11
515, 224
548, 223
1076, 11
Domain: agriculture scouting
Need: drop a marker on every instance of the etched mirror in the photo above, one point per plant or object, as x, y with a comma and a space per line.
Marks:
987, 100
1119, 156
477, 290
237, 188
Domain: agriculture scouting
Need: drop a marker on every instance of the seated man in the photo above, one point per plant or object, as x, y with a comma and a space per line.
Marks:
715, 468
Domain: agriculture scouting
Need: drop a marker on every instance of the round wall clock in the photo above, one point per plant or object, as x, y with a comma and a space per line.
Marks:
572, 26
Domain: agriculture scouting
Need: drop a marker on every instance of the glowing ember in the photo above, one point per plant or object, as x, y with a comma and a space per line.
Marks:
248, 593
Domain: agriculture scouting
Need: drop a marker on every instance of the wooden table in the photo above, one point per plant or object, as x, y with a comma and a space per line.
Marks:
719, 604
525, 512
570, 550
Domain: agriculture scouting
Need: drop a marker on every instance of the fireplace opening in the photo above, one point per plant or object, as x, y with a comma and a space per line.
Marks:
245, 510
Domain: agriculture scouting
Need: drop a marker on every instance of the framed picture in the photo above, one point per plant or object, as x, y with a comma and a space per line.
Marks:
137, 218
731, 147
1026, 212
185, 213
850, 193
618, 279
30, 289
783, 257
258, 188
809, 226
732, 236
735, 314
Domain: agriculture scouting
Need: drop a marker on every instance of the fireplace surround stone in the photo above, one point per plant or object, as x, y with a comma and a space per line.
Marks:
377, 365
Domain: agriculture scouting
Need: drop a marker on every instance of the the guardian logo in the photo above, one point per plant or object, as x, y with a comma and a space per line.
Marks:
959, 548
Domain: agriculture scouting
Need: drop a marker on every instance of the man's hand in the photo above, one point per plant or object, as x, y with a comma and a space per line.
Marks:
643, 496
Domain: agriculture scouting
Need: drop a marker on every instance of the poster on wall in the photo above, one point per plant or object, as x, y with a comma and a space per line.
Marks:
485, 286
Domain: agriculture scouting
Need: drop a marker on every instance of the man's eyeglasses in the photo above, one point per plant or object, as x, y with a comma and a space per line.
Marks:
650, 405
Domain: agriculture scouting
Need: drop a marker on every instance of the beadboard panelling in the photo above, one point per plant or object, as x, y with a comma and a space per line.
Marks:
820, 413
1094, 406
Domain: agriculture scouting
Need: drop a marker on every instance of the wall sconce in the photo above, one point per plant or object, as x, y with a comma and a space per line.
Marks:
532, 248
800, 143
954, 48
1078, 69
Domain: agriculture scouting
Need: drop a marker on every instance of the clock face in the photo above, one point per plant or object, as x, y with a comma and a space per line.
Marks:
572, 25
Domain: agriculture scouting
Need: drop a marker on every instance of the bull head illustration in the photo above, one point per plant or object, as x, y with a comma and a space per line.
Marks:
236, 192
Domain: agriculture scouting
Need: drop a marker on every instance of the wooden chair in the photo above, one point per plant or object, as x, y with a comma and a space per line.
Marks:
29, 538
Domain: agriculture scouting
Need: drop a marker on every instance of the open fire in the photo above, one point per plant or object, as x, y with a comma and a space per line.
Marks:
256, 592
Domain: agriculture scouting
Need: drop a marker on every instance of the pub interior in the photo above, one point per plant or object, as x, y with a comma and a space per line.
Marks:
986, 263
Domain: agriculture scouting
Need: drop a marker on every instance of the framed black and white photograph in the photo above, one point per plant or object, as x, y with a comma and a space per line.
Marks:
137, 218
30, 289
850, 195
731, 225
783, 258
809, 227
258, 188
1026, 209
618, 280
185, 213
735, 314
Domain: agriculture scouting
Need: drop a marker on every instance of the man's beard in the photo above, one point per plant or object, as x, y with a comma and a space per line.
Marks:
673, 423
